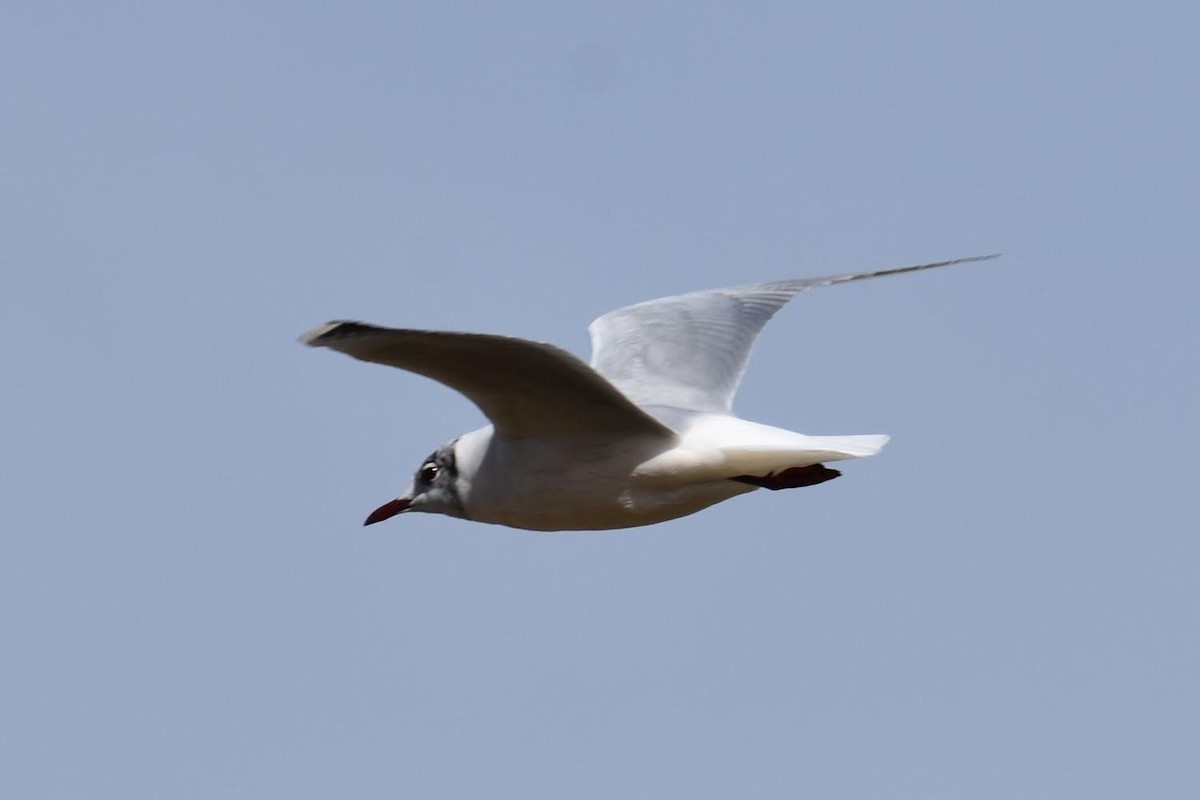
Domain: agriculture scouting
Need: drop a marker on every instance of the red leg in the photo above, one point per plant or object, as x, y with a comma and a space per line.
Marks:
792, 478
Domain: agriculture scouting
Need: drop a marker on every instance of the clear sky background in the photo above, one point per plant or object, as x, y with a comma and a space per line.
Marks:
1004, 604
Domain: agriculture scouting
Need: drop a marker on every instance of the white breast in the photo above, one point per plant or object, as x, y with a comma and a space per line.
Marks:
574, 484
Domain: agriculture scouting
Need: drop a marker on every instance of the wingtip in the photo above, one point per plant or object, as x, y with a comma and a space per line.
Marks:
952, 262
312, 337
321, 335
912, 268
970, 259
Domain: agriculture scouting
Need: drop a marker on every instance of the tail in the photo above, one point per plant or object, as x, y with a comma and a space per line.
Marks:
844, 447
804, 451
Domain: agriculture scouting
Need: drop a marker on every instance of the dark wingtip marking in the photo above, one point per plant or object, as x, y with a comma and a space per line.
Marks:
336, 329
791, 478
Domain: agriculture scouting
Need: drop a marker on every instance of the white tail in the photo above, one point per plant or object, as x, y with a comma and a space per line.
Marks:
807, 450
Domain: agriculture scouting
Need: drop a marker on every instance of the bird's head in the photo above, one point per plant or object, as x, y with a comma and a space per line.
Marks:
434, 489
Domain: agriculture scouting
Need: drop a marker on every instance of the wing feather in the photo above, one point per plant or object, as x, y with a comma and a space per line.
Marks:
690, 351
525, 388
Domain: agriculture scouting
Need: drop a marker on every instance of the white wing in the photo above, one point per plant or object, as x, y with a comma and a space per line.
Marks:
526, 388
690, 351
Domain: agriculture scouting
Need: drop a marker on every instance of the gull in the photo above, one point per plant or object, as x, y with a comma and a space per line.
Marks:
644, 434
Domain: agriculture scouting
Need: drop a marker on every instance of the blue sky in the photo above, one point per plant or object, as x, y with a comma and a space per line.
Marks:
1002, 604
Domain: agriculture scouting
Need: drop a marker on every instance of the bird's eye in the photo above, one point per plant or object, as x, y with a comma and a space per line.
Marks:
428, 473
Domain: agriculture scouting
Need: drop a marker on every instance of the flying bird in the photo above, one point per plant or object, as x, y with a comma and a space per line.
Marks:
644, 434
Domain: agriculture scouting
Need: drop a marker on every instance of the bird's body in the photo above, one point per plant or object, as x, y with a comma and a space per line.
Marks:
643, 435
522, 483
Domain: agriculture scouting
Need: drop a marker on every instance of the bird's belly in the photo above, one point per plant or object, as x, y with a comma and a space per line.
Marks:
542, 492
563, 509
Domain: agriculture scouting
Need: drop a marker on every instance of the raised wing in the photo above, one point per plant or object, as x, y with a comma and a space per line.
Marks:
526, 388
690, 351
